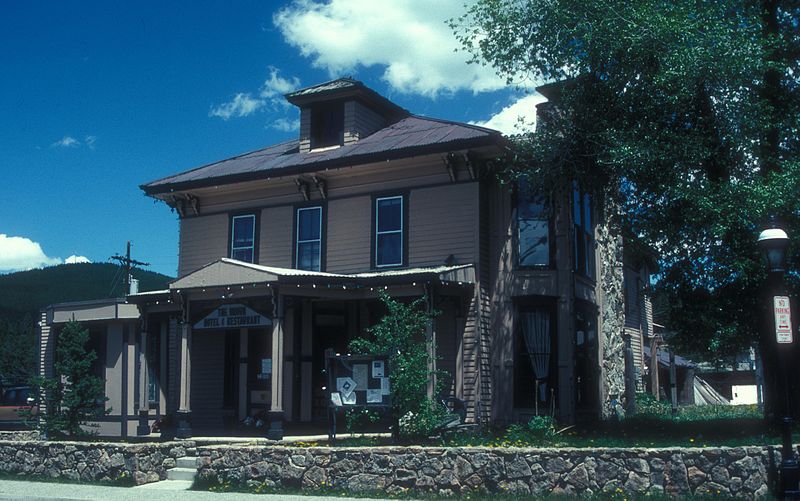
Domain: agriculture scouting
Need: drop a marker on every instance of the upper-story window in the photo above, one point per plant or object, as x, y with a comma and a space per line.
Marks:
533, 227
243, 238
582, 206
308, 243
327, 125
389, 231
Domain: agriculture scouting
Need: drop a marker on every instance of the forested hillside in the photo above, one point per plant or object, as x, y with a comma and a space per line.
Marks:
25, 293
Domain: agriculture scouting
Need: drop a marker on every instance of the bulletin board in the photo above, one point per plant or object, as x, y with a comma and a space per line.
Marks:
356, 381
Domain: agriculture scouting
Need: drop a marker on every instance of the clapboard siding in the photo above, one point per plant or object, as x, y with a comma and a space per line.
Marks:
275, 239
203, 239
447, 346
348, 234
471, 361
441, 223
208, 352
46, 351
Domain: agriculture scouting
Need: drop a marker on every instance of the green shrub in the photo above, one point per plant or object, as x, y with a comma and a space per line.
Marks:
397, 336
646, 404
542, 426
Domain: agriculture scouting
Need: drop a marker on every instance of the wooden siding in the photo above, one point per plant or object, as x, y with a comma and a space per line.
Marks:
471, 356
208, 351
481, 242
46, 347
360, 121
348, 234
203, 239
442, 222
442, 216
305, 129
275, 237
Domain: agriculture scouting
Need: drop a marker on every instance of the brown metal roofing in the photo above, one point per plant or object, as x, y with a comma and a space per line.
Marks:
410, 136
340, 83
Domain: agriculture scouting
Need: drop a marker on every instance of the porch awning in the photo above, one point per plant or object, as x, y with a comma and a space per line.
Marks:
226, 272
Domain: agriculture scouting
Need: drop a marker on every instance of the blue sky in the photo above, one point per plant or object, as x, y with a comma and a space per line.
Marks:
97, 98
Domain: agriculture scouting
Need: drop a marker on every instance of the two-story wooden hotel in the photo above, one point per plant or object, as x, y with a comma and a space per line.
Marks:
283, 251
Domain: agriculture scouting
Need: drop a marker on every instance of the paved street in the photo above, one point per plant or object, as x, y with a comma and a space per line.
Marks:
36, 491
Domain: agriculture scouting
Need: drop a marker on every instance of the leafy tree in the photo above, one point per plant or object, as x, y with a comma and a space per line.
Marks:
684, 115
74, 397
399, 336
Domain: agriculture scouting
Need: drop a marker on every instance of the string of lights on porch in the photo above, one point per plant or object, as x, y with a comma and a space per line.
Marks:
314, 286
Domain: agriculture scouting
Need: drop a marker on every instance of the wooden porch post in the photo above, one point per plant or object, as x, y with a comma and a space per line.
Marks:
275, 431
144, 409
431, 340
184, 411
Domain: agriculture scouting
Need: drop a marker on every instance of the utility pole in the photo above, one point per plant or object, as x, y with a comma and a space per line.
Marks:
128, 264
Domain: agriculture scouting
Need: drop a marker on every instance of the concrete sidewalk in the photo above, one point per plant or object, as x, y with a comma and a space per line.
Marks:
38, 491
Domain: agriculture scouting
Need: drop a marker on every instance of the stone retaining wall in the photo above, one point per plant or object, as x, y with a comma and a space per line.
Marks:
91, 461
739, 471
18, 435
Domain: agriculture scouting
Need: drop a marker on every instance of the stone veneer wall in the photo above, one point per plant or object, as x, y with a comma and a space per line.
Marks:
737, 471
612, 314
740, 471
91, 461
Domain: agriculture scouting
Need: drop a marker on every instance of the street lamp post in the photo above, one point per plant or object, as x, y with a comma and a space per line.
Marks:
774, 243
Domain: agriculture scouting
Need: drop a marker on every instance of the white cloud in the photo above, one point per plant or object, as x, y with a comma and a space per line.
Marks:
271, 92
277, 86
66, 142
241, 105
285, 125
73, 259
518, 117
70, 142
410, 39
20, 253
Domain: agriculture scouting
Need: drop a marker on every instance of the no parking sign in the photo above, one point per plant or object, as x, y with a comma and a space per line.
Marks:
783, 319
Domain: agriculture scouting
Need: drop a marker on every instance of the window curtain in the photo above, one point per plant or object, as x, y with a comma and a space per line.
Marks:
536, 331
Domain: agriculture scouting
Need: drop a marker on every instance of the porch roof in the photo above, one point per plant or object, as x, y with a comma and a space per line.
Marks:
226, 272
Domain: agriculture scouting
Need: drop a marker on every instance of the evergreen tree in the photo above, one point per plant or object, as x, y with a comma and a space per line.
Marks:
74, 397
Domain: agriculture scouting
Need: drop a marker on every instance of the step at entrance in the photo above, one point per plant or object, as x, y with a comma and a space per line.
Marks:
179, 478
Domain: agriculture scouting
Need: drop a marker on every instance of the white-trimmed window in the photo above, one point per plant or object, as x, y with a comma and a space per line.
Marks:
243, 238
308, 244
389, 231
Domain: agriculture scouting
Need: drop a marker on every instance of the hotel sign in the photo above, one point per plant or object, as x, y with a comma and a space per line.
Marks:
783, 319
231, 316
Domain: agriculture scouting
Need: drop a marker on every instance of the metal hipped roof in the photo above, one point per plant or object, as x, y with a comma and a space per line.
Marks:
225, 272
413, 135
